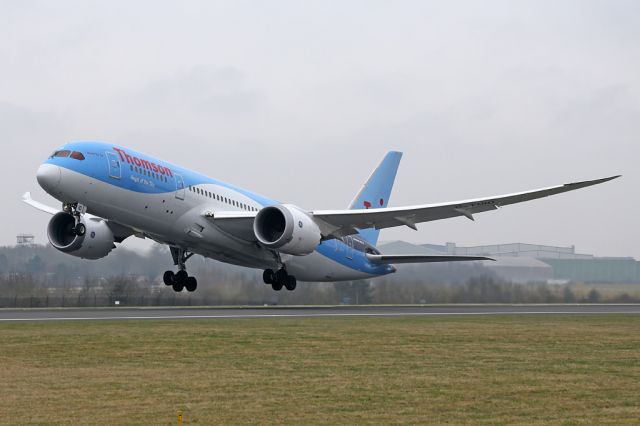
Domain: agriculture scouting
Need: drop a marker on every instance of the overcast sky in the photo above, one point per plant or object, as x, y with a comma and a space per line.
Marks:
299, 100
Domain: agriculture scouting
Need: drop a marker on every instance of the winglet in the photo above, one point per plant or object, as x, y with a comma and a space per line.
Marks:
592, 182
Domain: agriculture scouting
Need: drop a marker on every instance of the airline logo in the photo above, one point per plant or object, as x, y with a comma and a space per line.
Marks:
130, 159
367, 204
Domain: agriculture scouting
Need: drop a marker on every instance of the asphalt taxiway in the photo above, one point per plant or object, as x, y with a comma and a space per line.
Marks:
160, 313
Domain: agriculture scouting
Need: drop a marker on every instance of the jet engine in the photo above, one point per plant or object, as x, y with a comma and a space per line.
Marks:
91, 238
287, 228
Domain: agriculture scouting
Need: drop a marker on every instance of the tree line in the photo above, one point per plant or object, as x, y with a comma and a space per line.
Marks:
39, 276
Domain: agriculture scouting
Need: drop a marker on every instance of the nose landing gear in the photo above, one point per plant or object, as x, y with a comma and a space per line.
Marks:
181, 279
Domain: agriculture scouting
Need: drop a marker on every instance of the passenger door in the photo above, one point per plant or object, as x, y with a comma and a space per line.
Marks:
115, 168
179, 187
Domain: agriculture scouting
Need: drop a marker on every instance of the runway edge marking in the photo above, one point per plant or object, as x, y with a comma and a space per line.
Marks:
249, 316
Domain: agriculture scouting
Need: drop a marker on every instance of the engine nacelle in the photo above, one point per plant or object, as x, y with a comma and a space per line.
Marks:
96, 241
287, 228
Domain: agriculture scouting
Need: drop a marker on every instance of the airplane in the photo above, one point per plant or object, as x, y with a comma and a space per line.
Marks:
109, 193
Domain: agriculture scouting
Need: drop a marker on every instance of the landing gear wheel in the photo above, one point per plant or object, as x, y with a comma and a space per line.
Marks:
290, 283
182, 277
169, 278
191, 284
268, 276
80, 229
281, 277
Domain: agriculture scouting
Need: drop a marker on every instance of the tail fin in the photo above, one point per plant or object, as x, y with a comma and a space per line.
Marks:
376, 191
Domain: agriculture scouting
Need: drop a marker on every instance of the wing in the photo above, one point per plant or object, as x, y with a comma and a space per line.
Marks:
236, 223
26, 198
337, 223
417, 258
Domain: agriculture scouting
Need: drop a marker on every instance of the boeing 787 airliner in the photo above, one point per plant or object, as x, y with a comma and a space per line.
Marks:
109, 193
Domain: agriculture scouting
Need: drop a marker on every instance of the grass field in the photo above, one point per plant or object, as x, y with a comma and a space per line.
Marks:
414, 370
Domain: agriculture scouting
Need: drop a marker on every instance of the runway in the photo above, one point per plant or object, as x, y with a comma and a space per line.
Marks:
161, 313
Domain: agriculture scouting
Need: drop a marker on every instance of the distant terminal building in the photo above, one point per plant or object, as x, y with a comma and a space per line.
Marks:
597, 270
25, 239
521, 262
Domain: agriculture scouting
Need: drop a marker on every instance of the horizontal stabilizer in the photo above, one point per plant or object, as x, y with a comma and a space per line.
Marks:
419, 258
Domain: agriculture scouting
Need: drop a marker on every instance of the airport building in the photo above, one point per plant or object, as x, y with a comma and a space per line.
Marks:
25, 239
521, 262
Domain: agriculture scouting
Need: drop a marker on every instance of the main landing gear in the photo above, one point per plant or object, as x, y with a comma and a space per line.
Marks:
181, 279
279, 279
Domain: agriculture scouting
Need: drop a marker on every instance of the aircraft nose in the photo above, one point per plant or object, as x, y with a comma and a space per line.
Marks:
49, 177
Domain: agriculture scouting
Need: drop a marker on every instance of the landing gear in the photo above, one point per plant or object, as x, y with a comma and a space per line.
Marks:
77, 211
181, 279
279, 279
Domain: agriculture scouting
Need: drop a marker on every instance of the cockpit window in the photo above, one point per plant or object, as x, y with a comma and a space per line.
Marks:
62, 153
77, 155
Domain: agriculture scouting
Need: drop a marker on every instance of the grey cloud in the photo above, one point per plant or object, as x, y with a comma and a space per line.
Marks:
204, 91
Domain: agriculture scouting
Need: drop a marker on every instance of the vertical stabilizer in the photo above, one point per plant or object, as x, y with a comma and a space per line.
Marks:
376, 191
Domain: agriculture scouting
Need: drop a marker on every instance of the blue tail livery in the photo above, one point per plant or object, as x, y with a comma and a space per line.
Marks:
376, 191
